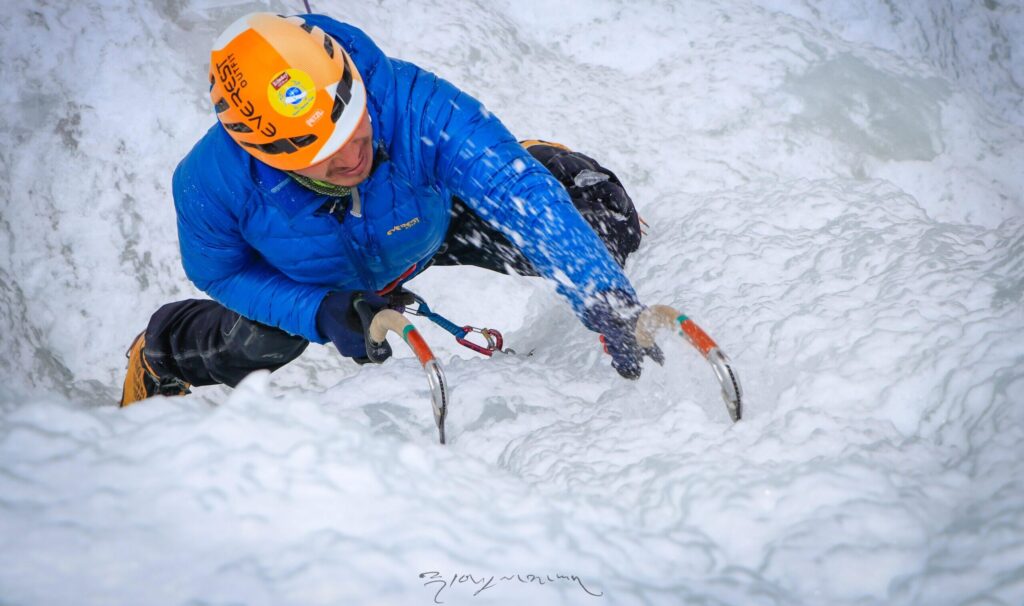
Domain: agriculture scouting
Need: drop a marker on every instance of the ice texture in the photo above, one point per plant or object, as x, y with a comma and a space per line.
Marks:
833, 190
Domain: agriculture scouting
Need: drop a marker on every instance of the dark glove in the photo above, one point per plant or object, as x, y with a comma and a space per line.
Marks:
344, 318
613, 314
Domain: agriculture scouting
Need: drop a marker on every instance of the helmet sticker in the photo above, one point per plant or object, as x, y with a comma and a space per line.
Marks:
291, 92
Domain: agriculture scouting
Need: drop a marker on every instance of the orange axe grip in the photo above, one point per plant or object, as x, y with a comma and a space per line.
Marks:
418, 345
697, 336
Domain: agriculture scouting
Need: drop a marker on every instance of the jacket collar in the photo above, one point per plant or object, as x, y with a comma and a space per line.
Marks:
284, 192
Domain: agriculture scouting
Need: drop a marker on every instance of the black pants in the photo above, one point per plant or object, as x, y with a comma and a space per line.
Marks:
204, 343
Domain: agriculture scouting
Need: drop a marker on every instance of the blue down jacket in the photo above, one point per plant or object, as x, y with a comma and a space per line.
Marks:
266, 247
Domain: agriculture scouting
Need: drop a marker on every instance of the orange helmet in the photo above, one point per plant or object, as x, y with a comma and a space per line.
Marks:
284, 90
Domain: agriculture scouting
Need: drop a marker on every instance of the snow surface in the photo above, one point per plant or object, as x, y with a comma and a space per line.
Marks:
834, 191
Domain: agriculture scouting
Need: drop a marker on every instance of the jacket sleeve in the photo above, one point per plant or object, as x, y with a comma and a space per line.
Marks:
475, 157
221, 263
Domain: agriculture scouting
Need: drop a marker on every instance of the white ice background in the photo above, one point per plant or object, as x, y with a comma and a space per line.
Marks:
834, 191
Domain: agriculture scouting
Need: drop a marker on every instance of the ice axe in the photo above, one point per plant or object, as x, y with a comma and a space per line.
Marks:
663, 316
391, 320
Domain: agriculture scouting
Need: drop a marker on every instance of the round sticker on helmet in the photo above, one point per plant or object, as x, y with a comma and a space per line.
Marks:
291, 92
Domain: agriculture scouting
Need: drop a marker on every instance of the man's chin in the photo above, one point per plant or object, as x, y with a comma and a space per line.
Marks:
347, 181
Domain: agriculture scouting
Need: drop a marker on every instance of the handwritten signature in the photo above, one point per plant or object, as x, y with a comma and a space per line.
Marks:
485, 582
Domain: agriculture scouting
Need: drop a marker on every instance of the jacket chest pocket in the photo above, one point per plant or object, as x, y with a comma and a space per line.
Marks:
413, 231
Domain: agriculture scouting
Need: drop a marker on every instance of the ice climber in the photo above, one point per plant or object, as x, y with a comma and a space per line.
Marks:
336, 173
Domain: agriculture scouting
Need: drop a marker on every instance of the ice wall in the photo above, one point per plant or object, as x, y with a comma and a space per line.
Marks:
833, 190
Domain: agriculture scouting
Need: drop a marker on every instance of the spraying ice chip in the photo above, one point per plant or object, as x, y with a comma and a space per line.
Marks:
587, 177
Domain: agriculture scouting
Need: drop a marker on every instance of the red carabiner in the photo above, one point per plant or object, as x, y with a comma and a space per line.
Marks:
493, 337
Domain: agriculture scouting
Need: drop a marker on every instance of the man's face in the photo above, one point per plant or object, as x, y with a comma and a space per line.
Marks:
351, 164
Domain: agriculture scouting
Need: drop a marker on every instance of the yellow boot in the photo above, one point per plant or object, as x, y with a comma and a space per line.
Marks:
142, 382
